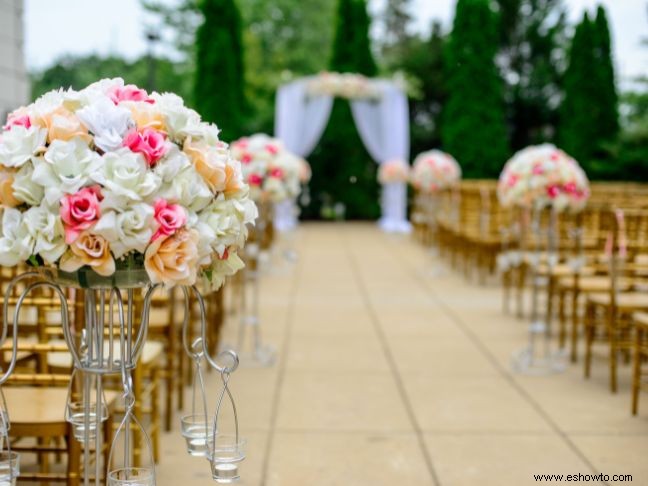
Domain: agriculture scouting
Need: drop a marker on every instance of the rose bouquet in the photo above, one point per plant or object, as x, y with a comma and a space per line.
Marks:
343, 85
393, 171
542, 176
269, 169
111, 177
434, 170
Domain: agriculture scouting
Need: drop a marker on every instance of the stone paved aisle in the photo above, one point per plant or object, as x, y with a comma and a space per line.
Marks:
391, 375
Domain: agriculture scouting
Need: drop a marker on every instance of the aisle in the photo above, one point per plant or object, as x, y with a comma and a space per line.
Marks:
391, 376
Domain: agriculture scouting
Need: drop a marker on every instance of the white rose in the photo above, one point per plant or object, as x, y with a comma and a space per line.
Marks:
125, 176
25, 189
107, 121
46, 104
16, 244
220, 269
172, 164
65, 168
227, 218
19, 144
46, 229
188, 189
180, 121
129, 230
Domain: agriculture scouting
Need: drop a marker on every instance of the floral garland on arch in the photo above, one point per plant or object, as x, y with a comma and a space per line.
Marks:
393, 171
110, 177
271, 171
434, 170
542, 176
350, 86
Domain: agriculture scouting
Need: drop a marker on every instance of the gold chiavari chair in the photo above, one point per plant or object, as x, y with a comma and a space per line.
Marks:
608, 315
639, 374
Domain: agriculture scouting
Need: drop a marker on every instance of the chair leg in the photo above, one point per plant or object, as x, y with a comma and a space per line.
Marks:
74, 459
574, 329
155, 413
562, 335
636, 371
521, 275
589, 337
614, 351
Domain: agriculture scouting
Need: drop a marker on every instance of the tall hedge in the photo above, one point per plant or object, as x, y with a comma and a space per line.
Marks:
473, 121
219, 83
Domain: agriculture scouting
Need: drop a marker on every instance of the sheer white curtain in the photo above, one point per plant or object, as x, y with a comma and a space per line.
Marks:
300, 121
384, 129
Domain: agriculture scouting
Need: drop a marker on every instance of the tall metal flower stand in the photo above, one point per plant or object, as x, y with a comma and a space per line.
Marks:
538, 357
108, 342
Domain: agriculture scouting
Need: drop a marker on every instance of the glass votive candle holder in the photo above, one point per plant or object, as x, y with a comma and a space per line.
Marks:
9, 468
4, 423
226, 455
131, 476
77, 417
198, 431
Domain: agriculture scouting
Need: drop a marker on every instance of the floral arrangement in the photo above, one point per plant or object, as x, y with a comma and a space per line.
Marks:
343, 85
268, 168
393, 171
434, 170
111, 177
305, 171
542, 176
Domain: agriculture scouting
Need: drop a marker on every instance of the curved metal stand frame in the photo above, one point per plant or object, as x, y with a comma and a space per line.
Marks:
104, 346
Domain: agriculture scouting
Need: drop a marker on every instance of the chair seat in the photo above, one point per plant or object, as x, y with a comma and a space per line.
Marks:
563, 270
594, 283
627, 301
36, 405
641, 318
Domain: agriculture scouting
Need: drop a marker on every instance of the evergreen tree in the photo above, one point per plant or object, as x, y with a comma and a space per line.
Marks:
219, 80
343, 171
396, 38
605, 89
531, 60
578, 112
473, 128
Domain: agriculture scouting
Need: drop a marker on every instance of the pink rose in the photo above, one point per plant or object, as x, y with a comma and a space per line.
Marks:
277, 173
149, 142
273, 149
553, 191
537, 169
246, 158
570, 188
80, 211
130, 92
255, 179
170, 217
17, 120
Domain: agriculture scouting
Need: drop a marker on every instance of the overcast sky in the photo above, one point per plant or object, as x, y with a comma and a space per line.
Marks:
115, 26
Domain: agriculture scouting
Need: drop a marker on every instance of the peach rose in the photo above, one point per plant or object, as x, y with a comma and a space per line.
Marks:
145, 115
63, 125
7, 197
173, 259
91, 250
210, 162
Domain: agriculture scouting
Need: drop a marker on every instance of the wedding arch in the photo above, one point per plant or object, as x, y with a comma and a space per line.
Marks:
380, 112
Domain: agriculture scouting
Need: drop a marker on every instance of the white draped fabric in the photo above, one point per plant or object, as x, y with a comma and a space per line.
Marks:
383, 125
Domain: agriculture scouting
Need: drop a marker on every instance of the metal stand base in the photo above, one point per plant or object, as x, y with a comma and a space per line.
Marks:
530, 361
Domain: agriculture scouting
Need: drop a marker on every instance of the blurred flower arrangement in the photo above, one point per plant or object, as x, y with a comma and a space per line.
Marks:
543, 176
305, 171
111, 177
393, 171
343, 85
434, 170
272, 172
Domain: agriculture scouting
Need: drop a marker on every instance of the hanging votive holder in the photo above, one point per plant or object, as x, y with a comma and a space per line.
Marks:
197, 426
227, 451
9, 467
131, 476
81, 408
5, 425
